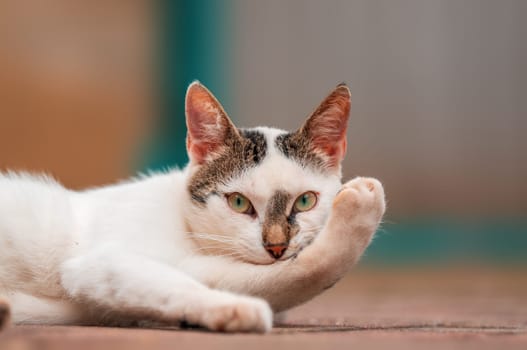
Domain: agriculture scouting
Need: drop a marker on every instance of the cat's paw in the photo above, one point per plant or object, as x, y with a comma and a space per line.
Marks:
360, 202
239, 314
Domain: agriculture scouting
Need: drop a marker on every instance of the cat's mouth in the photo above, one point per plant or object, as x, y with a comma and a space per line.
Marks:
291, 254
269, 261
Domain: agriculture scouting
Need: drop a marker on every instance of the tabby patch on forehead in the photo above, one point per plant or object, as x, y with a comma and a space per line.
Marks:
244, 148
296, 146
258, 143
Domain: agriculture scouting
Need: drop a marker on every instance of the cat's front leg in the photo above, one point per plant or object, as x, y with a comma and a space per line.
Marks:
135, 288
356, 214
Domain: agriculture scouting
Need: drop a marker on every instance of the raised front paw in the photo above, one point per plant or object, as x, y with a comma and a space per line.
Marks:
238, 314
360, 204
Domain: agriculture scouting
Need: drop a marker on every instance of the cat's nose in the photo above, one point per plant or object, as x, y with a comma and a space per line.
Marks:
276, 250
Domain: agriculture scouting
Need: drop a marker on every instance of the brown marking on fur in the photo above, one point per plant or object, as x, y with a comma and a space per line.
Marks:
275, 235
279, 226
4, 313
321, 142
297, 146
277, 207
242, 149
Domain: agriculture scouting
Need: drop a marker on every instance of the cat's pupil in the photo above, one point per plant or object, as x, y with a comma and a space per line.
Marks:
239, 201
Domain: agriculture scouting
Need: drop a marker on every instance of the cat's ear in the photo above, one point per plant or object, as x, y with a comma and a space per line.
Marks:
207, 123
326, 127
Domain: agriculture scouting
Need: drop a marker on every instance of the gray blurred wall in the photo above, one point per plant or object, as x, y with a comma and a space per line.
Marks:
439, 92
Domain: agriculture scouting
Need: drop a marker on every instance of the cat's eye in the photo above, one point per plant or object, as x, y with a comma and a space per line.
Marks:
240, 204
306, 201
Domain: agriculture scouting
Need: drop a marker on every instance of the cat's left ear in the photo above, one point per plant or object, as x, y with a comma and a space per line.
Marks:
326, 127
208, 125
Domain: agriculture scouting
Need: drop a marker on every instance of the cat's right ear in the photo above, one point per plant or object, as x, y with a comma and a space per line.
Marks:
207, 123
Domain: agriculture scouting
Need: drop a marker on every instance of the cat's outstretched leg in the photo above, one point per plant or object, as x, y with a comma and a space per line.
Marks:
4, 313
138, 288
357, 212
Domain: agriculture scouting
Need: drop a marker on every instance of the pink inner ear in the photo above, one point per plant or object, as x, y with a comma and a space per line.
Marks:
207, 123
335, 151
199, 152
327, 126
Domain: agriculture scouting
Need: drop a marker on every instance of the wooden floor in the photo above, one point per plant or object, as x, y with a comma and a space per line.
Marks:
465, 309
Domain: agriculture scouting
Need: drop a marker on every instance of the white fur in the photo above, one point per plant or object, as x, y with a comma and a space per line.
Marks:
136, 250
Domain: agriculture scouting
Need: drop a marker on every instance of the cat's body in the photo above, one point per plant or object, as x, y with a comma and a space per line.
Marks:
167, 247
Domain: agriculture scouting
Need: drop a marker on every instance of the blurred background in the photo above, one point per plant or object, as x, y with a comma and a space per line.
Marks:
92, 92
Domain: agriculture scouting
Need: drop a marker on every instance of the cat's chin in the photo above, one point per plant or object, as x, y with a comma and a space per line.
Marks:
269, 261
259, 262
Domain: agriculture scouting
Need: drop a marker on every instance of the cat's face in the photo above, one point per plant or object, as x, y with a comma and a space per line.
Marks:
261, 195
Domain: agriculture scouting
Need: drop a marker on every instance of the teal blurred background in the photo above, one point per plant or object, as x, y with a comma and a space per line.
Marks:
194, 39
439, 90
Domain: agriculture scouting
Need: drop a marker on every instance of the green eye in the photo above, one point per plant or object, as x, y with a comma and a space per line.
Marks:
305, 201
239, 203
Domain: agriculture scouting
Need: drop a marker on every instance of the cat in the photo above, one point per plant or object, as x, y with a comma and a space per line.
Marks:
256, 223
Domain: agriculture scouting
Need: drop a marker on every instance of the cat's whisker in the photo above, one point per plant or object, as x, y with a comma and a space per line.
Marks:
212, 236
215, 238
312, 230
237, 246
228, 255
224, 239
234, 245
221, 240
230, 249
208, 234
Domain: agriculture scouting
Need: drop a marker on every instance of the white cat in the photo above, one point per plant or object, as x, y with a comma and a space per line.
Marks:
257, 221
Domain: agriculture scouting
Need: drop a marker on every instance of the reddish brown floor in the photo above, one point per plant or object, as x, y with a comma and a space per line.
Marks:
467, 309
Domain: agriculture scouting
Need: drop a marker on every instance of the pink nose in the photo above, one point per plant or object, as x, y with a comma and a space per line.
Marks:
276, 250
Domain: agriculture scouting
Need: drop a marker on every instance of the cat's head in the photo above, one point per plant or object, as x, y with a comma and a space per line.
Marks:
262, 194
